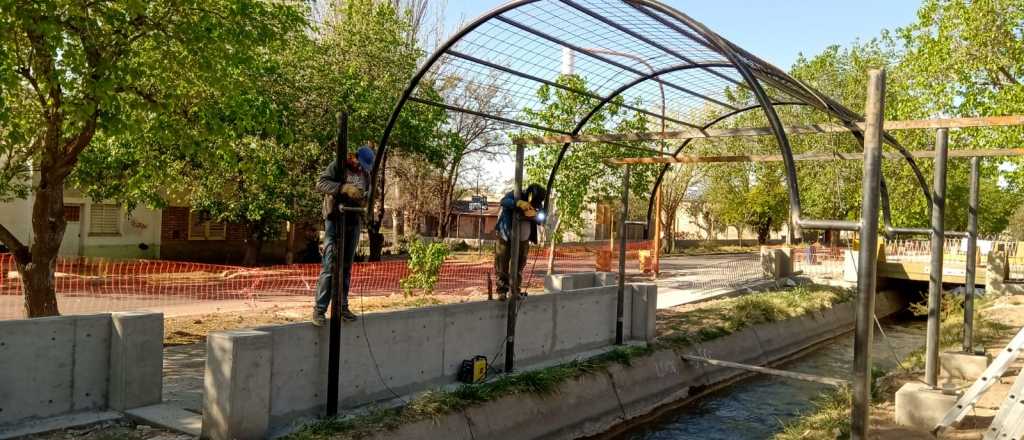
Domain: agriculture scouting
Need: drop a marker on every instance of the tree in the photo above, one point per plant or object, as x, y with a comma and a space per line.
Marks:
467, 136
583, 177
676, 188
74, 71
366, 53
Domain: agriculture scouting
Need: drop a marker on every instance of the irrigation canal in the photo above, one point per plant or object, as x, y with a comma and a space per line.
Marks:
758, 407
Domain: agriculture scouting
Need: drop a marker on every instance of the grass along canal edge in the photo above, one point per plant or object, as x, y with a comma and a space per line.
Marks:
679, 328
830, 418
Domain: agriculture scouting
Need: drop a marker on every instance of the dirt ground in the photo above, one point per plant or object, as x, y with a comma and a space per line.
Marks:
122, 429
1007, 310
183, 330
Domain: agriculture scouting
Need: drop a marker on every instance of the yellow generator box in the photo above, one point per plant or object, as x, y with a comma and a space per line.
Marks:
473, 370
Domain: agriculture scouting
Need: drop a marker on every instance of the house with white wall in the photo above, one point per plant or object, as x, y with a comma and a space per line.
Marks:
94, 228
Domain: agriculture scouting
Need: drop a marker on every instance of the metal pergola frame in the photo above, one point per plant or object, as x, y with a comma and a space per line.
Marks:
518, 42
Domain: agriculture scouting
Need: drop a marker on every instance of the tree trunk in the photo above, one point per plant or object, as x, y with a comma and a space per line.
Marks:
289, 253
397, 226
37, 271
376, 246
739, 234
376, 219
762, 234
253, 246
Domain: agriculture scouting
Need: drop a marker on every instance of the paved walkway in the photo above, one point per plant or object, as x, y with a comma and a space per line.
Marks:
689, 279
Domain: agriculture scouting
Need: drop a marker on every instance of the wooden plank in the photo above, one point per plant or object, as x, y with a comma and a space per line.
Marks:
991, 374
988, 121
789, 374
804, 157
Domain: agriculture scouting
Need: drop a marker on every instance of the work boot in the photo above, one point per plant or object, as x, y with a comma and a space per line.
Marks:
319, 318
348, 316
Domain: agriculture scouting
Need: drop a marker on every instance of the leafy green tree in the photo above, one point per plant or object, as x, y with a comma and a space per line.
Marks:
583, 177
71, 72
365, 54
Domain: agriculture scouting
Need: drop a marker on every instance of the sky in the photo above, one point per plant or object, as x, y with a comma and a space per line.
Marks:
775, 30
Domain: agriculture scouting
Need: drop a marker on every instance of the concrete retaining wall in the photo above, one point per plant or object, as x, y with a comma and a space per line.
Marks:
594, 404
413, 349
65, 364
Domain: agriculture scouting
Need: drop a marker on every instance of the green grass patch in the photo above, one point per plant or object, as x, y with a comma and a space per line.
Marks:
715, 319
436, 403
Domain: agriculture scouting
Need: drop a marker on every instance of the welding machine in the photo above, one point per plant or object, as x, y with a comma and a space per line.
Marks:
473, 370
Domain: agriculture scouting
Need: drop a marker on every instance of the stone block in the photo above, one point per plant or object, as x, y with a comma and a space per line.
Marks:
298, 377
606, 279
91, 362
408, 347
563, 282
850, 263
962, 366
921, 408
136, 359
236, 398
644, 309
776, 264
36, 368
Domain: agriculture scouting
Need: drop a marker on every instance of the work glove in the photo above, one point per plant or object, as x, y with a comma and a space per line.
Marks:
352, 191
527, 208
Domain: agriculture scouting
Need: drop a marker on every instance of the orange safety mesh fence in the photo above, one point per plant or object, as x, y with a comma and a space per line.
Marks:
87, 285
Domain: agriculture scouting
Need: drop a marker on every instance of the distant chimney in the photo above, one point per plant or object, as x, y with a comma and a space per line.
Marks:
568, 61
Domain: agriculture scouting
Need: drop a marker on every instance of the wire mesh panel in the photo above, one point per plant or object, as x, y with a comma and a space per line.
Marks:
664, 66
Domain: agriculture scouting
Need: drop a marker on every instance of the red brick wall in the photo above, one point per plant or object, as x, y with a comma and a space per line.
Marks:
175, 245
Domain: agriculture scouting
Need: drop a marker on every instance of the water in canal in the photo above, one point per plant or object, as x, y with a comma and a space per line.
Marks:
758, 407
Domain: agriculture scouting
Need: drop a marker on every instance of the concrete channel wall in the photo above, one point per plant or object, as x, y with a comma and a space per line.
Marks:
262, 380
596, 403
67, 364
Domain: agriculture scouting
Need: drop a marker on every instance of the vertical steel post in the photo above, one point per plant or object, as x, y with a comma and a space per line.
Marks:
337, 272
513, 267
622, 256
868, 255
931, 366
972, 257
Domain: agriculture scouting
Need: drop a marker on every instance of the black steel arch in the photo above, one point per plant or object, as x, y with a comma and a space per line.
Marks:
657, 33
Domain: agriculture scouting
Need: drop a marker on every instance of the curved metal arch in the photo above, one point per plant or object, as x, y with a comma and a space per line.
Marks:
729, 52
664, 168
607, 99
382, 149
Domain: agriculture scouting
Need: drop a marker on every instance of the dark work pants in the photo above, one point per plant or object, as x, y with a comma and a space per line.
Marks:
323, 284
502, 255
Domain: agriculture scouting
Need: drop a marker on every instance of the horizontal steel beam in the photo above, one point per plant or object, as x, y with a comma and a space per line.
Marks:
922, 231
991, 121
485, 115
923, 154
764, 370
842, 225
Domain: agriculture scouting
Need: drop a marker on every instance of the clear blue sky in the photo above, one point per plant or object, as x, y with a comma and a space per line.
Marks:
776, 30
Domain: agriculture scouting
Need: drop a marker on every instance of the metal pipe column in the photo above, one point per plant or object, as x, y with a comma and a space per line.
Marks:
935, 271
868, 256
622, 256
513, 268
972, 257
337, 272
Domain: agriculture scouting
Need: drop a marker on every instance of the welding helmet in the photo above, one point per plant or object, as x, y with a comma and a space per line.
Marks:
535, 194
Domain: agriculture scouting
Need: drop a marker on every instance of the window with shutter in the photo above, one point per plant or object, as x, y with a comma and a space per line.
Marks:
104, 220
200, 228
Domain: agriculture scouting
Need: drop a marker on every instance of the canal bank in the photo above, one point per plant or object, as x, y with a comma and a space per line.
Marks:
592, 397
